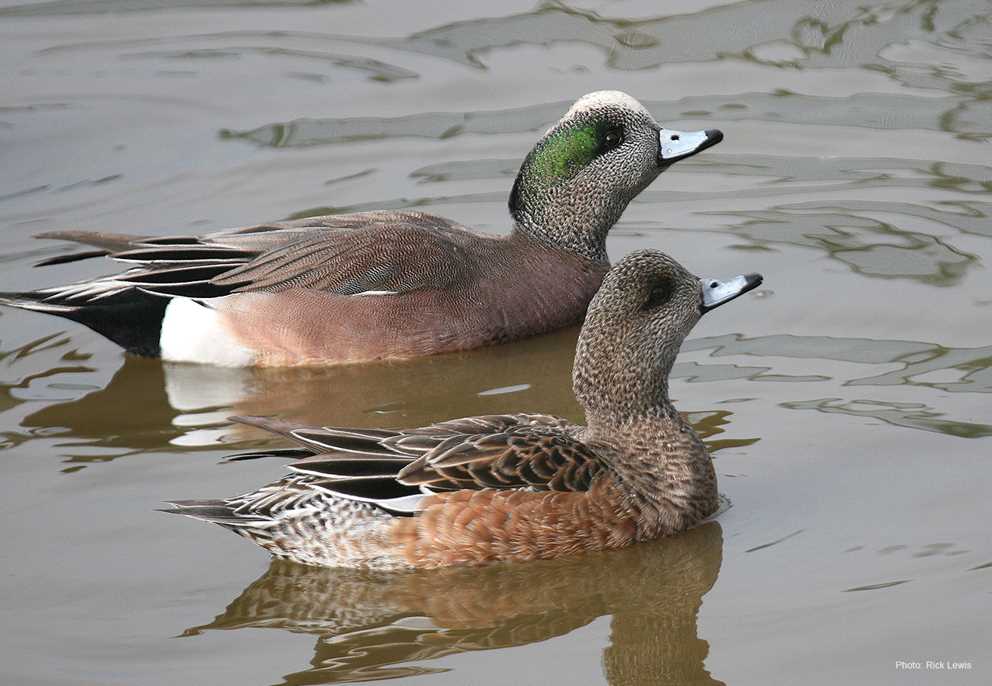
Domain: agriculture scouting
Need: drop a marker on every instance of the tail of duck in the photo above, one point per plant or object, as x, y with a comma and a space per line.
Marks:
294, 520
259, 529
131, 318
128, 308
213, 511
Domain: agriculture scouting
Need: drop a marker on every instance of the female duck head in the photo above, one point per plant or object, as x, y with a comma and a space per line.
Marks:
635, 325
579, 178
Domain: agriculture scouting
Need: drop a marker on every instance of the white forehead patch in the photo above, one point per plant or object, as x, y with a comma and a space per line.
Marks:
617, 99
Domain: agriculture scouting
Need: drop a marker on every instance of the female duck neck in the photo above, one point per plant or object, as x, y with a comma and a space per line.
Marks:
660, 418
664, 469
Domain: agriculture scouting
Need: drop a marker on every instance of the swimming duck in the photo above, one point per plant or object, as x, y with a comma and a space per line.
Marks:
380, 285
509, 487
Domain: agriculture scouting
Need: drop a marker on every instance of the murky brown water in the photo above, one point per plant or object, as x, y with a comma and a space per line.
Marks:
848, 400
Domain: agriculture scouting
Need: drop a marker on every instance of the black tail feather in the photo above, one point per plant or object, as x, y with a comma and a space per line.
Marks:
132, 318
71, 257
285, 453
214, 511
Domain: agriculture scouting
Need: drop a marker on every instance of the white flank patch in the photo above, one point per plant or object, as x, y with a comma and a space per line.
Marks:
194, 333
377, 293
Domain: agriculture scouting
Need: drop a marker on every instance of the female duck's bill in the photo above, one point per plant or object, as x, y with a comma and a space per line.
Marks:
716, 292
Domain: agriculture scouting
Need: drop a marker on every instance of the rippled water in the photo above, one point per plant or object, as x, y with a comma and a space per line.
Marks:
847, 401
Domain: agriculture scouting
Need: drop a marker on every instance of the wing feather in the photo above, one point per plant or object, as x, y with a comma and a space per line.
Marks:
395, 252
393, 469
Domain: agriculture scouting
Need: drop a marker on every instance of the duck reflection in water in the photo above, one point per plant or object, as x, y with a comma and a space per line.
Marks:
376, 625
190, 404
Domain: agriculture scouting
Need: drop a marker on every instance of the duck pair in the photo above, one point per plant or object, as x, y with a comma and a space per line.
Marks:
380, 285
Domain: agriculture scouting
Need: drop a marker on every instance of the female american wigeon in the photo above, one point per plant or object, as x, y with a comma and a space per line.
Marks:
380, 285
509, 487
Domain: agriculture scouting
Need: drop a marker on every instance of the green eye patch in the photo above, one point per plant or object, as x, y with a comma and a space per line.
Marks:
565, 153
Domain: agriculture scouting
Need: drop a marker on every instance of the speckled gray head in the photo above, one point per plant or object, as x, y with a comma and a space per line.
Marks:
647, 305
579, 178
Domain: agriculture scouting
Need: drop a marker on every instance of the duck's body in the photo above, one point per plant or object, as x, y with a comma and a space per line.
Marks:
381, 285
473, 290
509, 487
331, 290
505, 487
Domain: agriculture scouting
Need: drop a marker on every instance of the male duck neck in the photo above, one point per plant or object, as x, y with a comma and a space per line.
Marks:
580, 241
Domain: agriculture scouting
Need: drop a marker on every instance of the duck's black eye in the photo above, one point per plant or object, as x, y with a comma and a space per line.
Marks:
660, 294
611, 139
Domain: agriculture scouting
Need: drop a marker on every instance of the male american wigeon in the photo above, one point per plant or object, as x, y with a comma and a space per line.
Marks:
380, 285
509, 487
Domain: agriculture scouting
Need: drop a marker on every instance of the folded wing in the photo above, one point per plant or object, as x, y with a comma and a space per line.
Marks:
392, 252
396, 470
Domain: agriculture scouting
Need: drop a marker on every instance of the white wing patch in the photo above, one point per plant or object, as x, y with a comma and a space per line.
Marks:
376, 293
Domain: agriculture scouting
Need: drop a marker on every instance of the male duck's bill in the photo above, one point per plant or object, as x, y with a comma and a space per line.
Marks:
678, 145
716, 293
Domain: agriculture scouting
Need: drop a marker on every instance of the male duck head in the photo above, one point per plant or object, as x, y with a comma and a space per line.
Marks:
634, 328
577, 181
